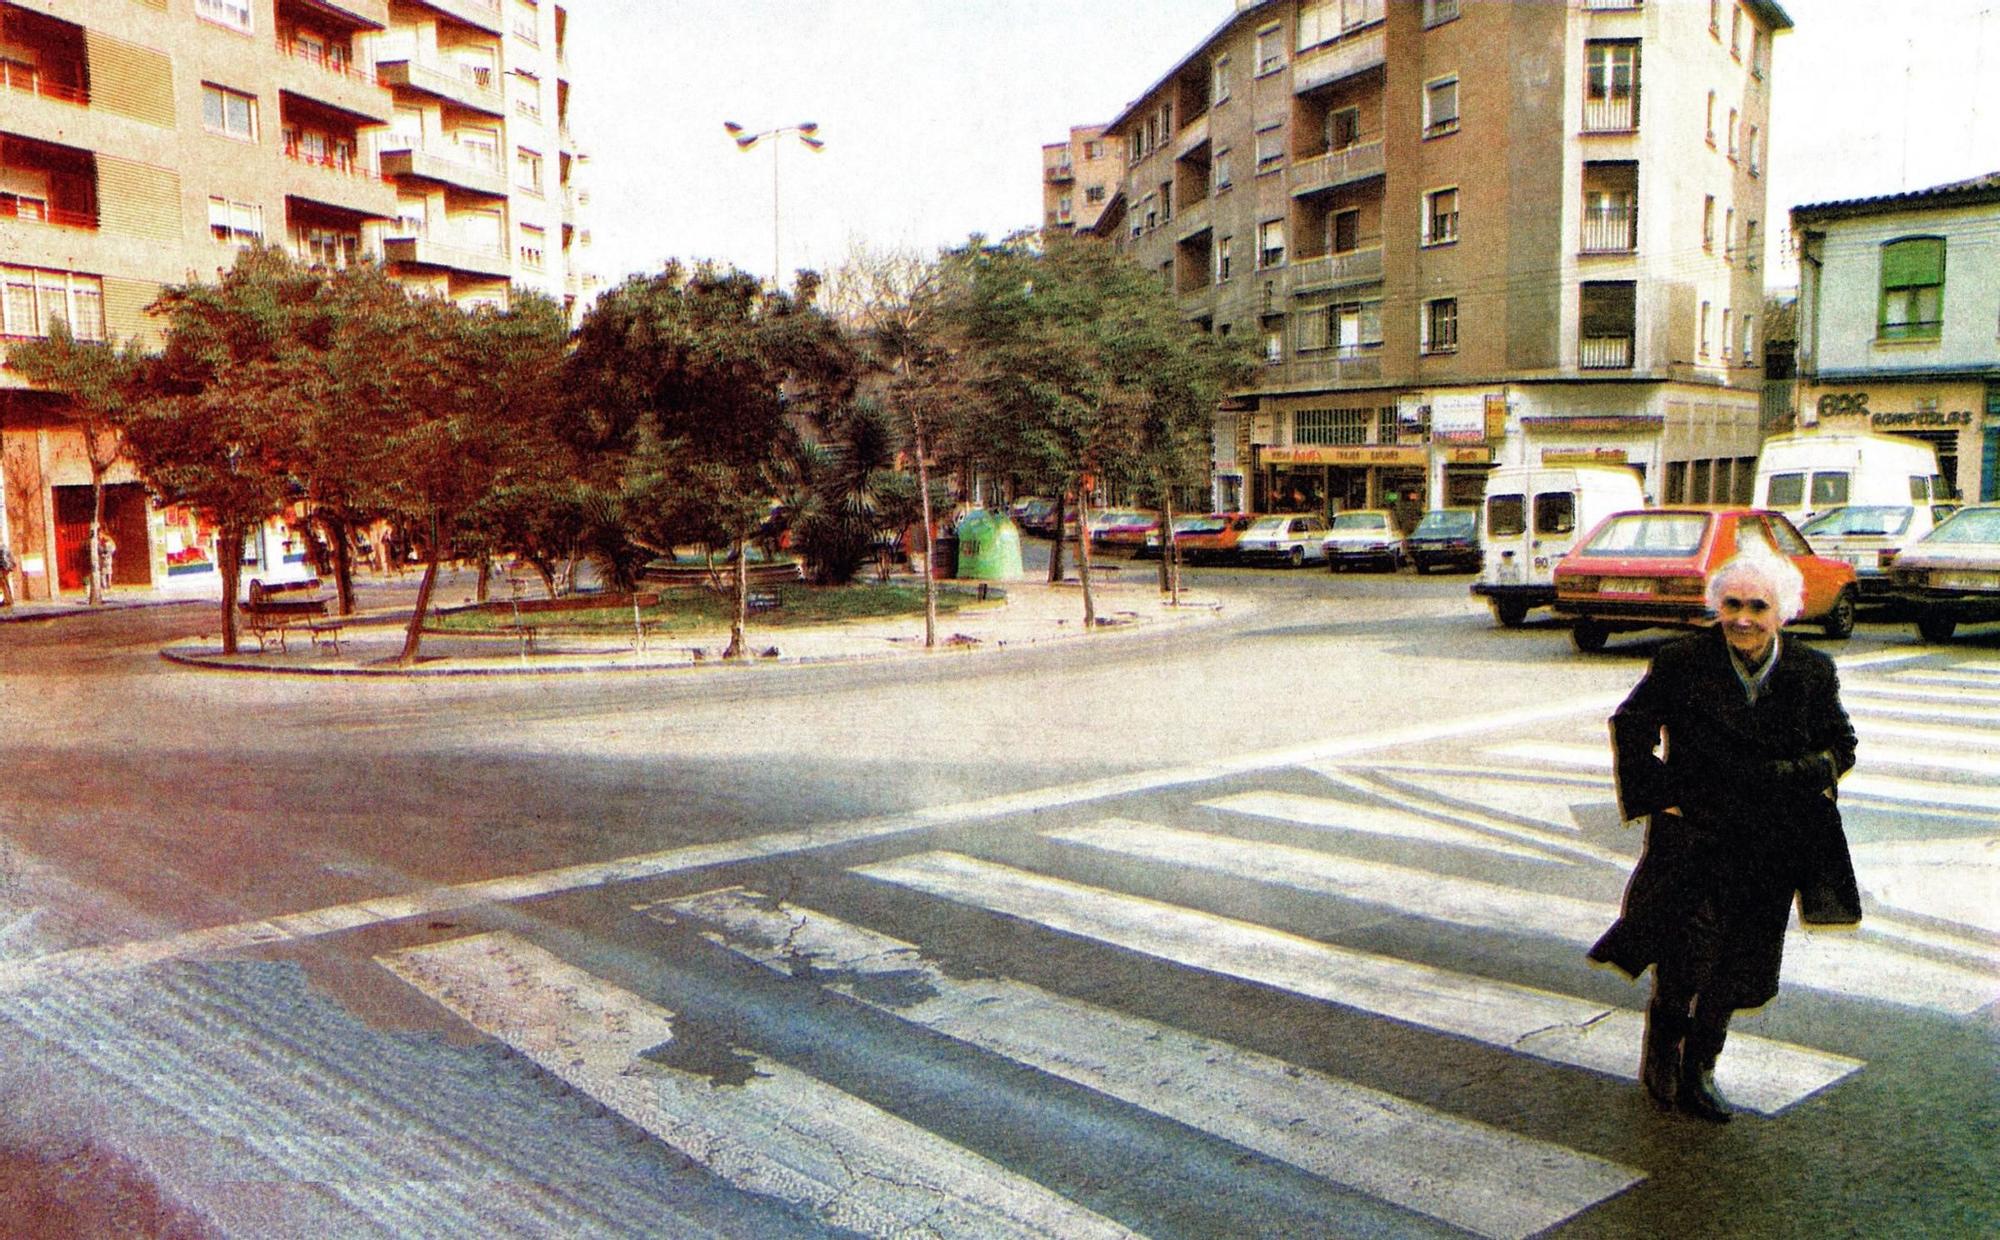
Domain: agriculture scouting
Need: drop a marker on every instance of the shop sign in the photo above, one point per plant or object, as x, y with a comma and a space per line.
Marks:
1459, 419
1583, 456
1855, 404
1467, 456
1320, 454
1496, 417
1264, 428
1605, 423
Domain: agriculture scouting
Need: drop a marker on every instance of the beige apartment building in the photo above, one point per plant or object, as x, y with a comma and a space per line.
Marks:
1079, 178
1465, 233
143, 141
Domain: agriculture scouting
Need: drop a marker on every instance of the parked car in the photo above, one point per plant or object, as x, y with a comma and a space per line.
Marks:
1870, 537
1364, 536
1206, 538
1446, 538
1025, 509
1122, 529
1150, 549
1292, 539
1532, 517
1952, 577
1649, 568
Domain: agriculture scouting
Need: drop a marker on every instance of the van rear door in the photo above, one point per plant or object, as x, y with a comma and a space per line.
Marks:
1505, 538
1554, 531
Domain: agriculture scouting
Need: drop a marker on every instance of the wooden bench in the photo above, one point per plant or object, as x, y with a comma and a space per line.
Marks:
279, 606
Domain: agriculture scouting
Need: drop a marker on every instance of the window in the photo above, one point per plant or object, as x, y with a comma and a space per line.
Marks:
1748, 350
1440, 325
1708, 222
1715, 18
1357, 326
1912, 306
1093, 194
1709, 124
1270, 50
1344, 232
478, 147
36, 297
1730, 135
1343, 128
234, 14
1611, 86
1756, 53
1219, 79
228, 112
527, 22
1755, 154
1339, 427
1728, 340
1274, 344
1093, 150
240, 222
1223, 245
1736, 33
1438, 12
1441, 107
1271, 243
327, 247
1701, 342
1270, 149
534, 242
1312, 334
1221, 171
1440, 217
1606, 315
1063, 209
1323, 21
1729, 235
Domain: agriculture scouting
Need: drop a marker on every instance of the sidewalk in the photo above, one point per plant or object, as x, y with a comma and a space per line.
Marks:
1021, 613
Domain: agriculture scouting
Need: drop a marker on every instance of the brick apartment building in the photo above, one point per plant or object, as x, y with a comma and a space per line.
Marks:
1079, 178
1464, 233
142, 141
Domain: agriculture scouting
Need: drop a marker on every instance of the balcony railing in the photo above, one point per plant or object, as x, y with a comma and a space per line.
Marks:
1353, 54
1336, 168
1058, 173
1604, 353
345, 165
417, 161
14, 209
1612, 230
464, 84
26, 78
1607, 6
482, 260
1326, 270
1344, 364
340, 65
1611, 114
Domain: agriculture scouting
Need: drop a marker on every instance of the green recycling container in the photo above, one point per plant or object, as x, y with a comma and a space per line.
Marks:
989, 546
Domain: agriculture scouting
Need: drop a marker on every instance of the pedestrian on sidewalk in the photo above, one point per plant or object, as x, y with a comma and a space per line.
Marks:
1741, 816
107, 550
6, 576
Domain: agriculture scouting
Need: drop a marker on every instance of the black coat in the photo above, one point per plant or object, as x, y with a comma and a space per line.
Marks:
1758, 821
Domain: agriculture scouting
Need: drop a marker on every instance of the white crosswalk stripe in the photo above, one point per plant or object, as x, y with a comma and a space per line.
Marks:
780, 1132
1762, 1075
1467, 1174
1340, 815
1829, 961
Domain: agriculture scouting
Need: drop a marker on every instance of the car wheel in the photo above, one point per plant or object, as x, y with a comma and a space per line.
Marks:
1511, 613
1933, 627
1421, 565
1297, 557
1589, 636
1839, 623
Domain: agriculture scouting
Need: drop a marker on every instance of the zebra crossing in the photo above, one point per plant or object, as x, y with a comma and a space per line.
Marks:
1507, 839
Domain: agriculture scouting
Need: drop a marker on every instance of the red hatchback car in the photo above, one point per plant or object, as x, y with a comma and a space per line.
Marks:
1649, 568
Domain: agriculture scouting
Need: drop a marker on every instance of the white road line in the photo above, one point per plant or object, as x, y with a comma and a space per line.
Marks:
1544, 801
1835, 962
1594, 757
1974, 686
1929, 693
1465, 1173
1949, 880
1903, 755
1956, 712
1940, 734
1888, 788
1991, 671
1763, 1075
1326, 812
1563, 846
779, 1133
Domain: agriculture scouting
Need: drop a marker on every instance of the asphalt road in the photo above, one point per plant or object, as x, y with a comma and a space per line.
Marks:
1251, 929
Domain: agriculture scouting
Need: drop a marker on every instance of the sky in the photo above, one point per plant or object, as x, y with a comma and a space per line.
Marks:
934, 113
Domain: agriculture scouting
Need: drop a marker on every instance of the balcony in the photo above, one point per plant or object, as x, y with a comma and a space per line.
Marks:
1336, 168
1192, 220
1604, 352
424, 252
1610, 230
27, 80
333, 81
1611, 114
35, 211
483, 14
1192, 137
428, 165
1331, 367
1059, 174
454, 84
347, 184
1334, 270
1352, 55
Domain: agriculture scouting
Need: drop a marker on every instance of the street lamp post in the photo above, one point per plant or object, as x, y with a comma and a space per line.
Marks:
807, 133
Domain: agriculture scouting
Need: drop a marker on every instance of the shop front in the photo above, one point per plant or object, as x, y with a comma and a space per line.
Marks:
1329, 479
1960, 419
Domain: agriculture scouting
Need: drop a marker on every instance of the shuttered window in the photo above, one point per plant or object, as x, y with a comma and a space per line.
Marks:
1912, 306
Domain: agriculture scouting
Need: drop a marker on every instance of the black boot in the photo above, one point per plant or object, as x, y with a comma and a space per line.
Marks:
1697, 1094
1660, 1063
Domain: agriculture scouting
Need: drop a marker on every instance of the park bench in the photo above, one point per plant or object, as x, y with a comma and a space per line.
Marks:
280, 606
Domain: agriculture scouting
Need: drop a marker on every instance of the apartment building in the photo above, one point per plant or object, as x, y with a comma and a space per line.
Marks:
1079, 178
1466, 233
143, 141
1886, 342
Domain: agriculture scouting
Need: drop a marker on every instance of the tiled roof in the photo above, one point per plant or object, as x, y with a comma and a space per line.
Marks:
1982, 188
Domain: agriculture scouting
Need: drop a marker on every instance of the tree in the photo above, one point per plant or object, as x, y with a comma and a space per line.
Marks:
698, 379
103, 383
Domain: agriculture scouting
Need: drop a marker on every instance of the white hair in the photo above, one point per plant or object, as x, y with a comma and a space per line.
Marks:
1760, 567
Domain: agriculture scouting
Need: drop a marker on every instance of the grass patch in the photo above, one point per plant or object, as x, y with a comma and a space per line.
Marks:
799, 605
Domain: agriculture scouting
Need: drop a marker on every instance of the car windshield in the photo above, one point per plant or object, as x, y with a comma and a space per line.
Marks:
1197, 525
1860, 519
1650, 533
1361, 521
1445, 523
1269, 525
1969, 525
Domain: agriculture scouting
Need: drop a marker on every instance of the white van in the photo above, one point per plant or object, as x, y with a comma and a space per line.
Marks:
1531, 517
1857, 497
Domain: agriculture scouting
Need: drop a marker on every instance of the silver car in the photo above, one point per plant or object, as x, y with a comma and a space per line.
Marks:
1293, 539
1952, 577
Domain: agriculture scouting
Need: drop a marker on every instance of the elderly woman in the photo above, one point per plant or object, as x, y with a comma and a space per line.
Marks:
1740, 817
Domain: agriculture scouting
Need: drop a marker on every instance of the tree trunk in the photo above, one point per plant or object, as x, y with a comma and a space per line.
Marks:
229, 545
1083, 559
1170, 553
340, 543
413, 636
1056, 546
930, 543
483, 589
741, 616
547, 573
94, 591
